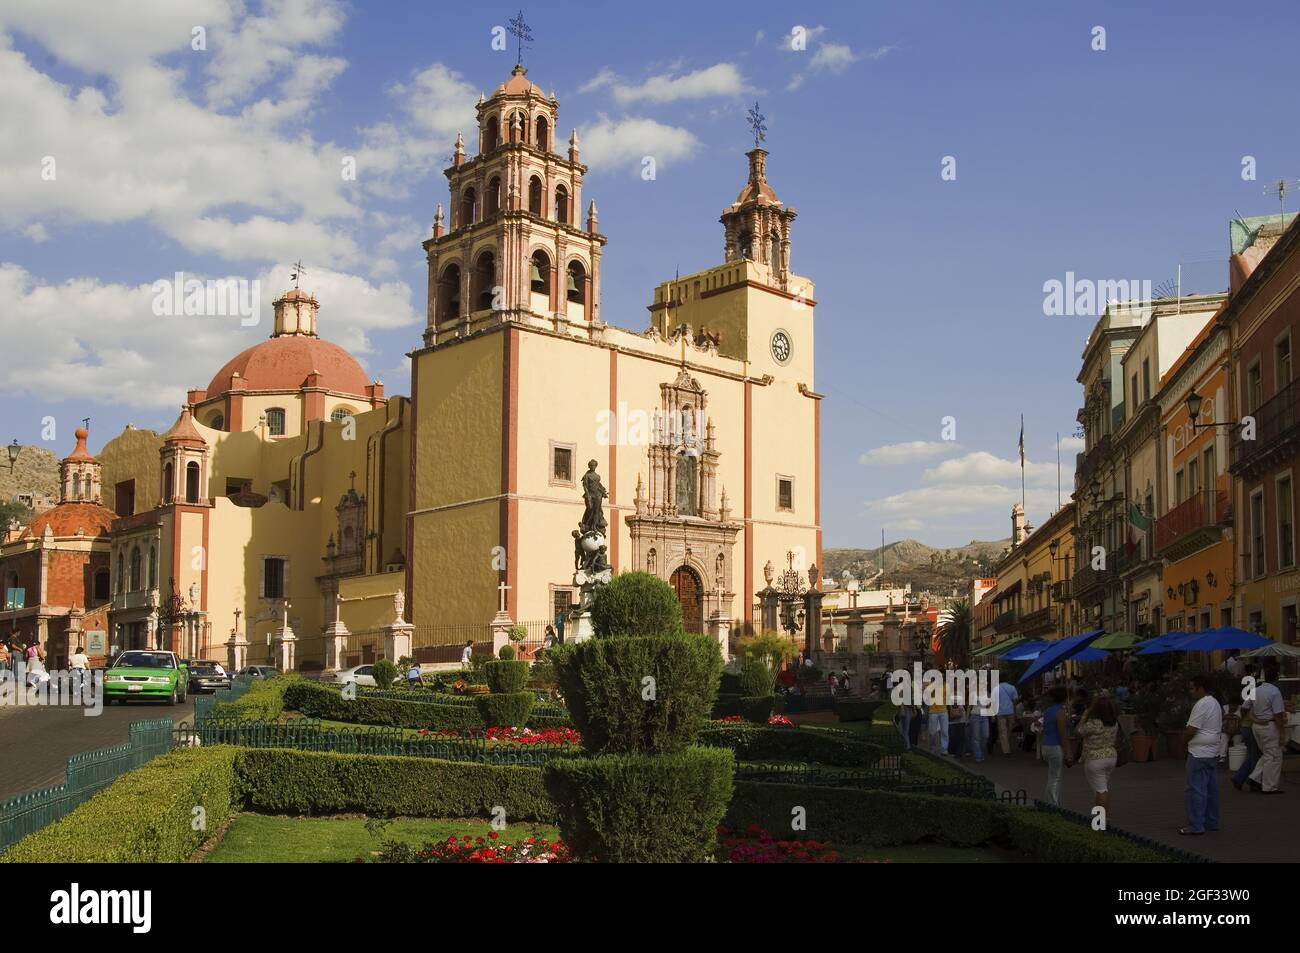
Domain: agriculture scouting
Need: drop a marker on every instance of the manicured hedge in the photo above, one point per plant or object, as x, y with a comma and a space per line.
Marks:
639, 808
882, 818
506, 676
280, 781
264, 700
316, 701
145, 816
763, 743
636, 603
505, 711
856, 710
612, 702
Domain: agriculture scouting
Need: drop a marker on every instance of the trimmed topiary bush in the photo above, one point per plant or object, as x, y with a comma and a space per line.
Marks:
636, 603
506, 676
617, 710
508, 710
506, 653
762, 743
317, 701
637, 808
755, 678
384, 673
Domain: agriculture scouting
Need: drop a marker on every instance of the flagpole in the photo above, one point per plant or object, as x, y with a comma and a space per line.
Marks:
1058, 469
1022, 463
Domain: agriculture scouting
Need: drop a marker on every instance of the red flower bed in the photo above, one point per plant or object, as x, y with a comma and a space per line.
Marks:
731, 718
756, 846
516, 736
780, 720
481, 850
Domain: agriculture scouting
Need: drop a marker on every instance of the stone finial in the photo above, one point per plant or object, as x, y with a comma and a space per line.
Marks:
591, 216
460, 150
438, 226
573, 146
769, 573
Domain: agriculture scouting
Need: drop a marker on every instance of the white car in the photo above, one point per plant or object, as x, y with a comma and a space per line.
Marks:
363, 675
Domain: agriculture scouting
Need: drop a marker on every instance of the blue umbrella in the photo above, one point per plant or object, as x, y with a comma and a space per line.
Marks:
1090, 655
1168, 642
1059, 651
1217, 640
1025, 651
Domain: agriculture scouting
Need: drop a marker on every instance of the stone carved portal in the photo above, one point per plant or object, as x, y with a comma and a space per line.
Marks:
682, 530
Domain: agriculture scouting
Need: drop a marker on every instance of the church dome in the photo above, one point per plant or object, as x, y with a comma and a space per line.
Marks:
283, 363
518, 85
69, 519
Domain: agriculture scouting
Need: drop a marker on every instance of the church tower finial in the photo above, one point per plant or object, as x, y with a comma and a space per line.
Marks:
757, 225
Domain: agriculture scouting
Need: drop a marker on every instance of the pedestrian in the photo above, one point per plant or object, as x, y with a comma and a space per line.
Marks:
466, 654
559, 627
4, 654
1242, 774
844, 681
35, 658
1007, 698
79, 664
905, 724
1235, 665
1056, 735
1204, 725
1269, 725
830, 683
957, 730
548, 637
938, 721
977, 729
1098, 733
413, 675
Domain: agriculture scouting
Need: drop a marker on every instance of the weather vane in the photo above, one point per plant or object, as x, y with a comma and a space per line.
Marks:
298, 270
755, 121
521, 32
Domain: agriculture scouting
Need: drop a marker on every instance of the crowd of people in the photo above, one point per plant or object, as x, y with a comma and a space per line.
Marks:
1068, 725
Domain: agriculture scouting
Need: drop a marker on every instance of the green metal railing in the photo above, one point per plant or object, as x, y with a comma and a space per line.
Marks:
306, 734
203, 704
87, 773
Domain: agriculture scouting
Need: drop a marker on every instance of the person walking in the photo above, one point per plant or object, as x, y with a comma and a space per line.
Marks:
957, 720
79, 664
4, 654
1098, 730
466, 654
1007, 698
1242, 774
1056, 734
548, 637
1269, 725
905, 724
413, 675
938, 722
1204, 725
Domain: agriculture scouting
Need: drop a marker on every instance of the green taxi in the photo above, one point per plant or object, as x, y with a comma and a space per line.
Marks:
147, 674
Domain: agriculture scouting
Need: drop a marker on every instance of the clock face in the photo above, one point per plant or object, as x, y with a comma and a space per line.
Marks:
781, 347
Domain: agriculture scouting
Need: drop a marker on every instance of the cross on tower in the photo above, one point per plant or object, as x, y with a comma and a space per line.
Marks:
756, 122
298, 271
502, 588
353, 477
522, 32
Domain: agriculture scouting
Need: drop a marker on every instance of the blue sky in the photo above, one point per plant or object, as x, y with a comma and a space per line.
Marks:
1112, 164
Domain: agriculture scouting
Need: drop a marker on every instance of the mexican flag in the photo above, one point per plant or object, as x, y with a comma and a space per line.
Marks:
1136, 517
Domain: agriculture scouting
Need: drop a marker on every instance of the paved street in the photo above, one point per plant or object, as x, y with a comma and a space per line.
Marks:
1147, 799
35, 743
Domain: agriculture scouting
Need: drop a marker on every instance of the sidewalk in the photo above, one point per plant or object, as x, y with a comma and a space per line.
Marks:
1147, 799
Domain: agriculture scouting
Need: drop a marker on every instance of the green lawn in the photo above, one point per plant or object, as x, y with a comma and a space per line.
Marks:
260, 838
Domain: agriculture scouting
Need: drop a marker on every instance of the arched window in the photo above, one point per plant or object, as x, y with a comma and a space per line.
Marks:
168, 487
76, 486
540, 273
576, 290
485, 276
340, 414
467, 202
492, 197
562, 204
275, 421
153, 567
491, 134
535, 196
543, 133
217, 422
135, 569
518, 127
746, 243
192, 482
449, 293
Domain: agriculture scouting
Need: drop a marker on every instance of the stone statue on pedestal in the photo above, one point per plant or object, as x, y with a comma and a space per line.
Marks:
590, 546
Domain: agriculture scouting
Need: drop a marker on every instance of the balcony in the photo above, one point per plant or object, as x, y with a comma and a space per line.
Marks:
1006, 621
1277, 431
139, 599
1193, 524
1087, 581
1037, 622
1089, 461
1061, 591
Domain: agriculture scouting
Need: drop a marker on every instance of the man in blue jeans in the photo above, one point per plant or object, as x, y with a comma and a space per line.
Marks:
1204, 725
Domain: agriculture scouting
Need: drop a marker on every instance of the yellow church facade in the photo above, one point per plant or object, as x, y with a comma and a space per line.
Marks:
296, 515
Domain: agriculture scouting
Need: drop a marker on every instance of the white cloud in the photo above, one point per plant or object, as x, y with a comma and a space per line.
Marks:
721, 79
982, 466
909, 452
625, 142
828, 57
261, 47
985, 506
119, 351
1072, 444
834, 57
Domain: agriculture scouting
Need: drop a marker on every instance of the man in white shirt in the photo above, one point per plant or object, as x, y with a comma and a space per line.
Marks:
1204, 724
79, 659
1007, 698
1268, 712
467, 654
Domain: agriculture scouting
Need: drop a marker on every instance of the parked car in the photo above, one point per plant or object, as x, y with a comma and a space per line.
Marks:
259, 671
207, 676
357, 675
147, 674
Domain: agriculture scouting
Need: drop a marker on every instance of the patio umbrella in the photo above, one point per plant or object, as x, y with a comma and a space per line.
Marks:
1000, 647
1059, 651
1024, 651
1116, 641
1090, 654
1217, 640
1273, 650
1162, 643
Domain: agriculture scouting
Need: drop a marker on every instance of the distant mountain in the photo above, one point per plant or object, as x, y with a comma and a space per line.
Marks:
925, 567
35, 471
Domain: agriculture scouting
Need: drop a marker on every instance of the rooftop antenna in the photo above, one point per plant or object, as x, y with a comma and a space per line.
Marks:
1280, 188
298, 271
522, 32
756, 121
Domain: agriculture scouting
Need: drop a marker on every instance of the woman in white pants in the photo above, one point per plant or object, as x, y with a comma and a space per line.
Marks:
1097, 730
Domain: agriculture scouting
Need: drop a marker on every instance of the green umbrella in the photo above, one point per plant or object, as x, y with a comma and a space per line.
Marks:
1001, 647
1116, 641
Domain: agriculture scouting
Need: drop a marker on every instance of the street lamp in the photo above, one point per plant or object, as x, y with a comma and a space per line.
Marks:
14, 449
1194, 410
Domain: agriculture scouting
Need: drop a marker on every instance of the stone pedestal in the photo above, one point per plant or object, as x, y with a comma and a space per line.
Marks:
580, 627
770, 601
856, 625
336, 645
397, 641
236, 652
501, 623
284, 648
812, 607
720, 629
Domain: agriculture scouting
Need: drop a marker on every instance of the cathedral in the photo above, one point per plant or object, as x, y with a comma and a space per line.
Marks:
296, 514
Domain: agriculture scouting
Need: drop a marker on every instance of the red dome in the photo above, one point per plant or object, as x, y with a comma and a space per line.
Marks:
67, 519
283, 363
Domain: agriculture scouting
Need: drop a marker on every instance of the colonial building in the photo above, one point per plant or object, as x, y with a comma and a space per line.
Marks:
1032, 597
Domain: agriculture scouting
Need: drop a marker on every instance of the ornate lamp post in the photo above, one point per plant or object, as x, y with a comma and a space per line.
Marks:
14, 449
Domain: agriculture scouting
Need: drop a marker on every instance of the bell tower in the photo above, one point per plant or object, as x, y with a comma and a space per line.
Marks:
757, 225
510, 246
